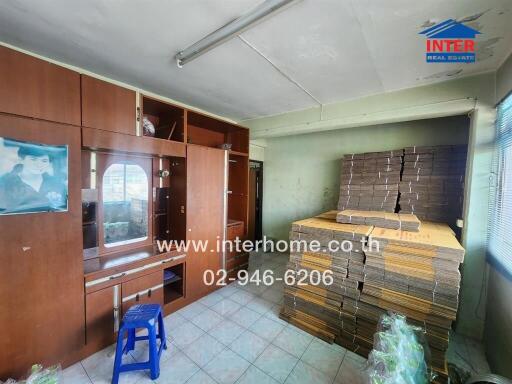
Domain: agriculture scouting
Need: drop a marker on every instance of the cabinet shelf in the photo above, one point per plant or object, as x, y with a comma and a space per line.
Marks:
175, 279
167, 119
174, 285
238, 153
210, 132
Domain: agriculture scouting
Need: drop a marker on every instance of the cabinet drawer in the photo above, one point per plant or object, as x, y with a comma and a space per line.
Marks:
94, 283
142, 283
143, 290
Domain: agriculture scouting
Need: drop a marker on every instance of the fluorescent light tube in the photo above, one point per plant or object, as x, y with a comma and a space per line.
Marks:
228, 31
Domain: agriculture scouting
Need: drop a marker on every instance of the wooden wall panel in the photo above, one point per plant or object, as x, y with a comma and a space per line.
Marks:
35, 88
41, 270
205, 214
107, 106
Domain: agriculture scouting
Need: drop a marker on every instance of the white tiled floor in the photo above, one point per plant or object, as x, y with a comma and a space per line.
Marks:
234, 336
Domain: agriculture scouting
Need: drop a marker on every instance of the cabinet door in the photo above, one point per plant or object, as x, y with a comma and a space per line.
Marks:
102, 316
108, 107
35, 88
143, 290
41, 265
205, 214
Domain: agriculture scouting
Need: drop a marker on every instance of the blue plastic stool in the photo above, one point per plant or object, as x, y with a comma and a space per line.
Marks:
140, 316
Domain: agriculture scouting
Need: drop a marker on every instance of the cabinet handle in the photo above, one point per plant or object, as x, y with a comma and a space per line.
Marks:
117, 276
149, 293
116, 319
137, 297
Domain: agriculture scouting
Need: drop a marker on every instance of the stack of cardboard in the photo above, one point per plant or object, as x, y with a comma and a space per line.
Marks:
369, 181
416, 274
317, 308
432, 185
413, 273
404, 221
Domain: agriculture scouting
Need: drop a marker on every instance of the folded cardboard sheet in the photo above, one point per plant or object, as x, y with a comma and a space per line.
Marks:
405, 221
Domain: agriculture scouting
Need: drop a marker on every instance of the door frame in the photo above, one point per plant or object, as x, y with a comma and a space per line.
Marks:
258, 230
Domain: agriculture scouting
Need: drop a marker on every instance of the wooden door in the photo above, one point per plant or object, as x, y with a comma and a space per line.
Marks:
108, 107
252, 204
255, 200
205, 214
102, 316
41, 263
146, 289
35, 88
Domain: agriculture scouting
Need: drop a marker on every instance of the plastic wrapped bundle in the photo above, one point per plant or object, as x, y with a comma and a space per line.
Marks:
398, 355
40, 375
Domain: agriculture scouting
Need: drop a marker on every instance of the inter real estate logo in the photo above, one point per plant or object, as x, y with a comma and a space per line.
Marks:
450, 42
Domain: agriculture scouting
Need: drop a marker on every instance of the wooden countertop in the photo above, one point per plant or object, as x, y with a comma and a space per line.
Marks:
96, 266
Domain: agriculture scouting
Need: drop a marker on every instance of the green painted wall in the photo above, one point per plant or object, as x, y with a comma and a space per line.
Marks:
302, 172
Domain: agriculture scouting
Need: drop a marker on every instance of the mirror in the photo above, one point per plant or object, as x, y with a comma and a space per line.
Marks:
125, 204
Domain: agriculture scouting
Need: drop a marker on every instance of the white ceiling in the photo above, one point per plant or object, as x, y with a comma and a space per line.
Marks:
334, 49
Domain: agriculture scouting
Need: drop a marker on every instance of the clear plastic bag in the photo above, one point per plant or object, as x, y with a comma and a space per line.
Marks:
40, 375
400, 354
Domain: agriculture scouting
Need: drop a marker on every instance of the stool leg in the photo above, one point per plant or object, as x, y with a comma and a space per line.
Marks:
154, 361
130, 342
119, 356
161, 331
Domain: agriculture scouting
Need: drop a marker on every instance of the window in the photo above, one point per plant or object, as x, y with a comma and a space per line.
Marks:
500, 231
125, 204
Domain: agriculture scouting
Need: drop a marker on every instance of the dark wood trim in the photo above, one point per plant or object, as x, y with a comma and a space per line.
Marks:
97, 139
103, 162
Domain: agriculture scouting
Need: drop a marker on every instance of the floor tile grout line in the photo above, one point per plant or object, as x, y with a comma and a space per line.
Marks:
87, 373
299, 359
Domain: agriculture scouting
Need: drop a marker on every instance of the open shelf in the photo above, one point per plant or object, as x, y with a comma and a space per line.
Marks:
89, 220
167, 119
173, 283
210, 132
231, 152
169, 199
238, 187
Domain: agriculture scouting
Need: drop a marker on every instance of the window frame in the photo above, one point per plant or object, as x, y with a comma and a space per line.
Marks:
104, 161
502, 145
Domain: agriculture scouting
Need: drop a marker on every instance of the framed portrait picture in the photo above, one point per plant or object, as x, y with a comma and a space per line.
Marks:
33, 177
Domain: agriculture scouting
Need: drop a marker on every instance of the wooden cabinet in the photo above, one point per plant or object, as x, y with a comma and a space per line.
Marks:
35, 88
205, 214
108, 107
102, 316
105, 307
41, 272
